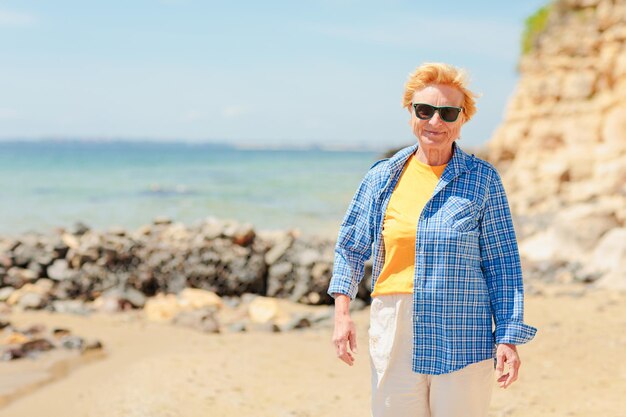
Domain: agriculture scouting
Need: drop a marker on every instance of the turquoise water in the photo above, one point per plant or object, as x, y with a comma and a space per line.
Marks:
44, 185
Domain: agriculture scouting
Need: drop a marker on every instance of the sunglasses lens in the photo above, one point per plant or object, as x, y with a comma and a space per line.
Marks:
449, 114
424, 111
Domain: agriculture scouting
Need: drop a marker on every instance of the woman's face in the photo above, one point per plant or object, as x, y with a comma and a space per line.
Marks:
434, 133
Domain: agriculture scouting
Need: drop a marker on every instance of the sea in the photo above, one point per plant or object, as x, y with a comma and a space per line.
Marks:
46, 185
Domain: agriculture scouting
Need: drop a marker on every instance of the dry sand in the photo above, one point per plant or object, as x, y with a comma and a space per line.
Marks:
574, 367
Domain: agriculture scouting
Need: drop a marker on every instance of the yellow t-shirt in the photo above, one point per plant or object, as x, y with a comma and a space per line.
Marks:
413, 190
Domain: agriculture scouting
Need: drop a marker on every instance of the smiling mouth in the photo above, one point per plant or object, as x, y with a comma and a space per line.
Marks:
430, 132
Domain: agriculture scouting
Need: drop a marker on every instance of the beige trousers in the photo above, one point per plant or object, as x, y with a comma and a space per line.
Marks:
397, 391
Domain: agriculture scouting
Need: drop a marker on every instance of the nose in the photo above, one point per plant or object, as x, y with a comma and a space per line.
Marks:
436, 119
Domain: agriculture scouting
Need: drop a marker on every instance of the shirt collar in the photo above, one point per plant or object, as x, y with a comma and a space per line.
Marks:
459, 163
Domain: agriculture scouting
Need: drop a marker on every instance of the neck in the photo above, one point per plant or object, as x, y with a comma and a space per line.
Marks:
433, 157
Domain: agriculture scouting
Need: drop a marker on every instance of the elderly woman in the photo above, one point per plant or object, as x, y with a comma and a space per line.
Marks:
446, 264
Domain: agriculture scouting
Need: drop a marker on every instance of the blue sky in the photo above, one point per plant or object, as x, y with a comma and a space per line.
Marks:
255, 73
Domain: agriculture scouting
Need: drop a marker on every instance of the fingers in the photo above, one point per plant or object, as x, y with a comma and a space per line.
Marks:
347, 358
352, 339
499, 365
342, 351
513, 363
344, 336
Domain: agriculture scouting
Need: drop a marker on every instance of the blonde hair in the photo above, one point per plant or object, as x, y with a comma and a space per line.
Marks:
440, 73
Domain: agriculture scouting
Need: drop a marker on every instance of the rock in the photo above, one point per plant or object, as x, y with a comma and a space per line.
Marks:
60, 271
15, 338
72, 307
299, 321
243, 235
231, 302
237, 327
302, 285
212, 229
5, 261
35, 329
45, 285
561, 148
321, 272
278, 250
31, 300
79, 229
24, 275
548, 245
92, 345
25, 251
313, 298
107, 304
308, 257
262, 310
162, 308
203, 319
194, 298
71, 240
59, 333
117, 231
17, 276
277, 275
33, 295
124, 296
72, 342
265, 327
609, 258
11, 353
223, 257
6, 292
36, 345
161, 220
4, 308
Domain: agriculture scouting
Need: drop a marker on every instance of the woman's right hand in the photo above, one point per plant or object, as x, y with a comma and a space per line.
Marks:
344, 334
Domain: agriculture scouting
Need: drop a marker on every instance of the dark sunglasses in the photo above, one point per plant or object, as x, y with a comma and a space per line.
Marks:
426, 111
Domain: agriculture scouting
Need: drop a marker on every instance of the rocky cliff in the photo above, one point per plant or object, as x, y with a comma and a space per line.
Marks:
562, 145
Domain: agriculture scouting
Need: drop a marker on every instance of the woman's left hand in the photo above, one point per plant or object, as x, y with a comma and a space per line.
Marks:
507, 353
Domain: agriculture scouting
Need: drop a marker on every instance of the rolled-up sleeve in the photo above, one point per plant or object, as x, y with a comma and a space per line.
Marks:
500, 263
354, 243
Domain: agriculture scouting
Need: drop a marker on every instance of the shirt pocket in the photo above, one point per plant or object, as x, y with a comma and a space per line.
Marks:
460, 215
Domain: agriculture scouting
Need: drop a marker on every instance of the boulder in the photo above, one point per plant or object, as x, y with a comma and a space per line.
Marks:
162, 308
60, 271
194, 298
203, 319
262, 310
609, 258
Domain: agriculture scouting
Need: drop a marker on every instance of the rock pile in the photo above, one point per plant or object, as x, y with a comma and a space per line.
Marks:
31, 342
562, 146
207, 312
118, 270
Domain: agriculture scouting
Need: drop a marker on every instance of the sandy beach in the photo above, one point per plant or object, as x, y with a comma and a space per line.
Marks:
572, 368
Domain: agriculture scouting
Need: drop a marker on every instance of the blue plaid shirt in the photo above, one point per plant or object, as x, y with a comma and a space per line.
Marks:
467, 268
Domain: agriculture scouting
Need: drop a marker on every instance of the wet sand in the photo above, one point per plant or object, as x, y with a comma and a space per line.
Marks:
574, 367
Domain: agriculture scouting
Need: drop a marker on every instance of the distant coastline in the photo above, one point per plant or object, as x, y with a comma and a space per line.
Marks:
243, 145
